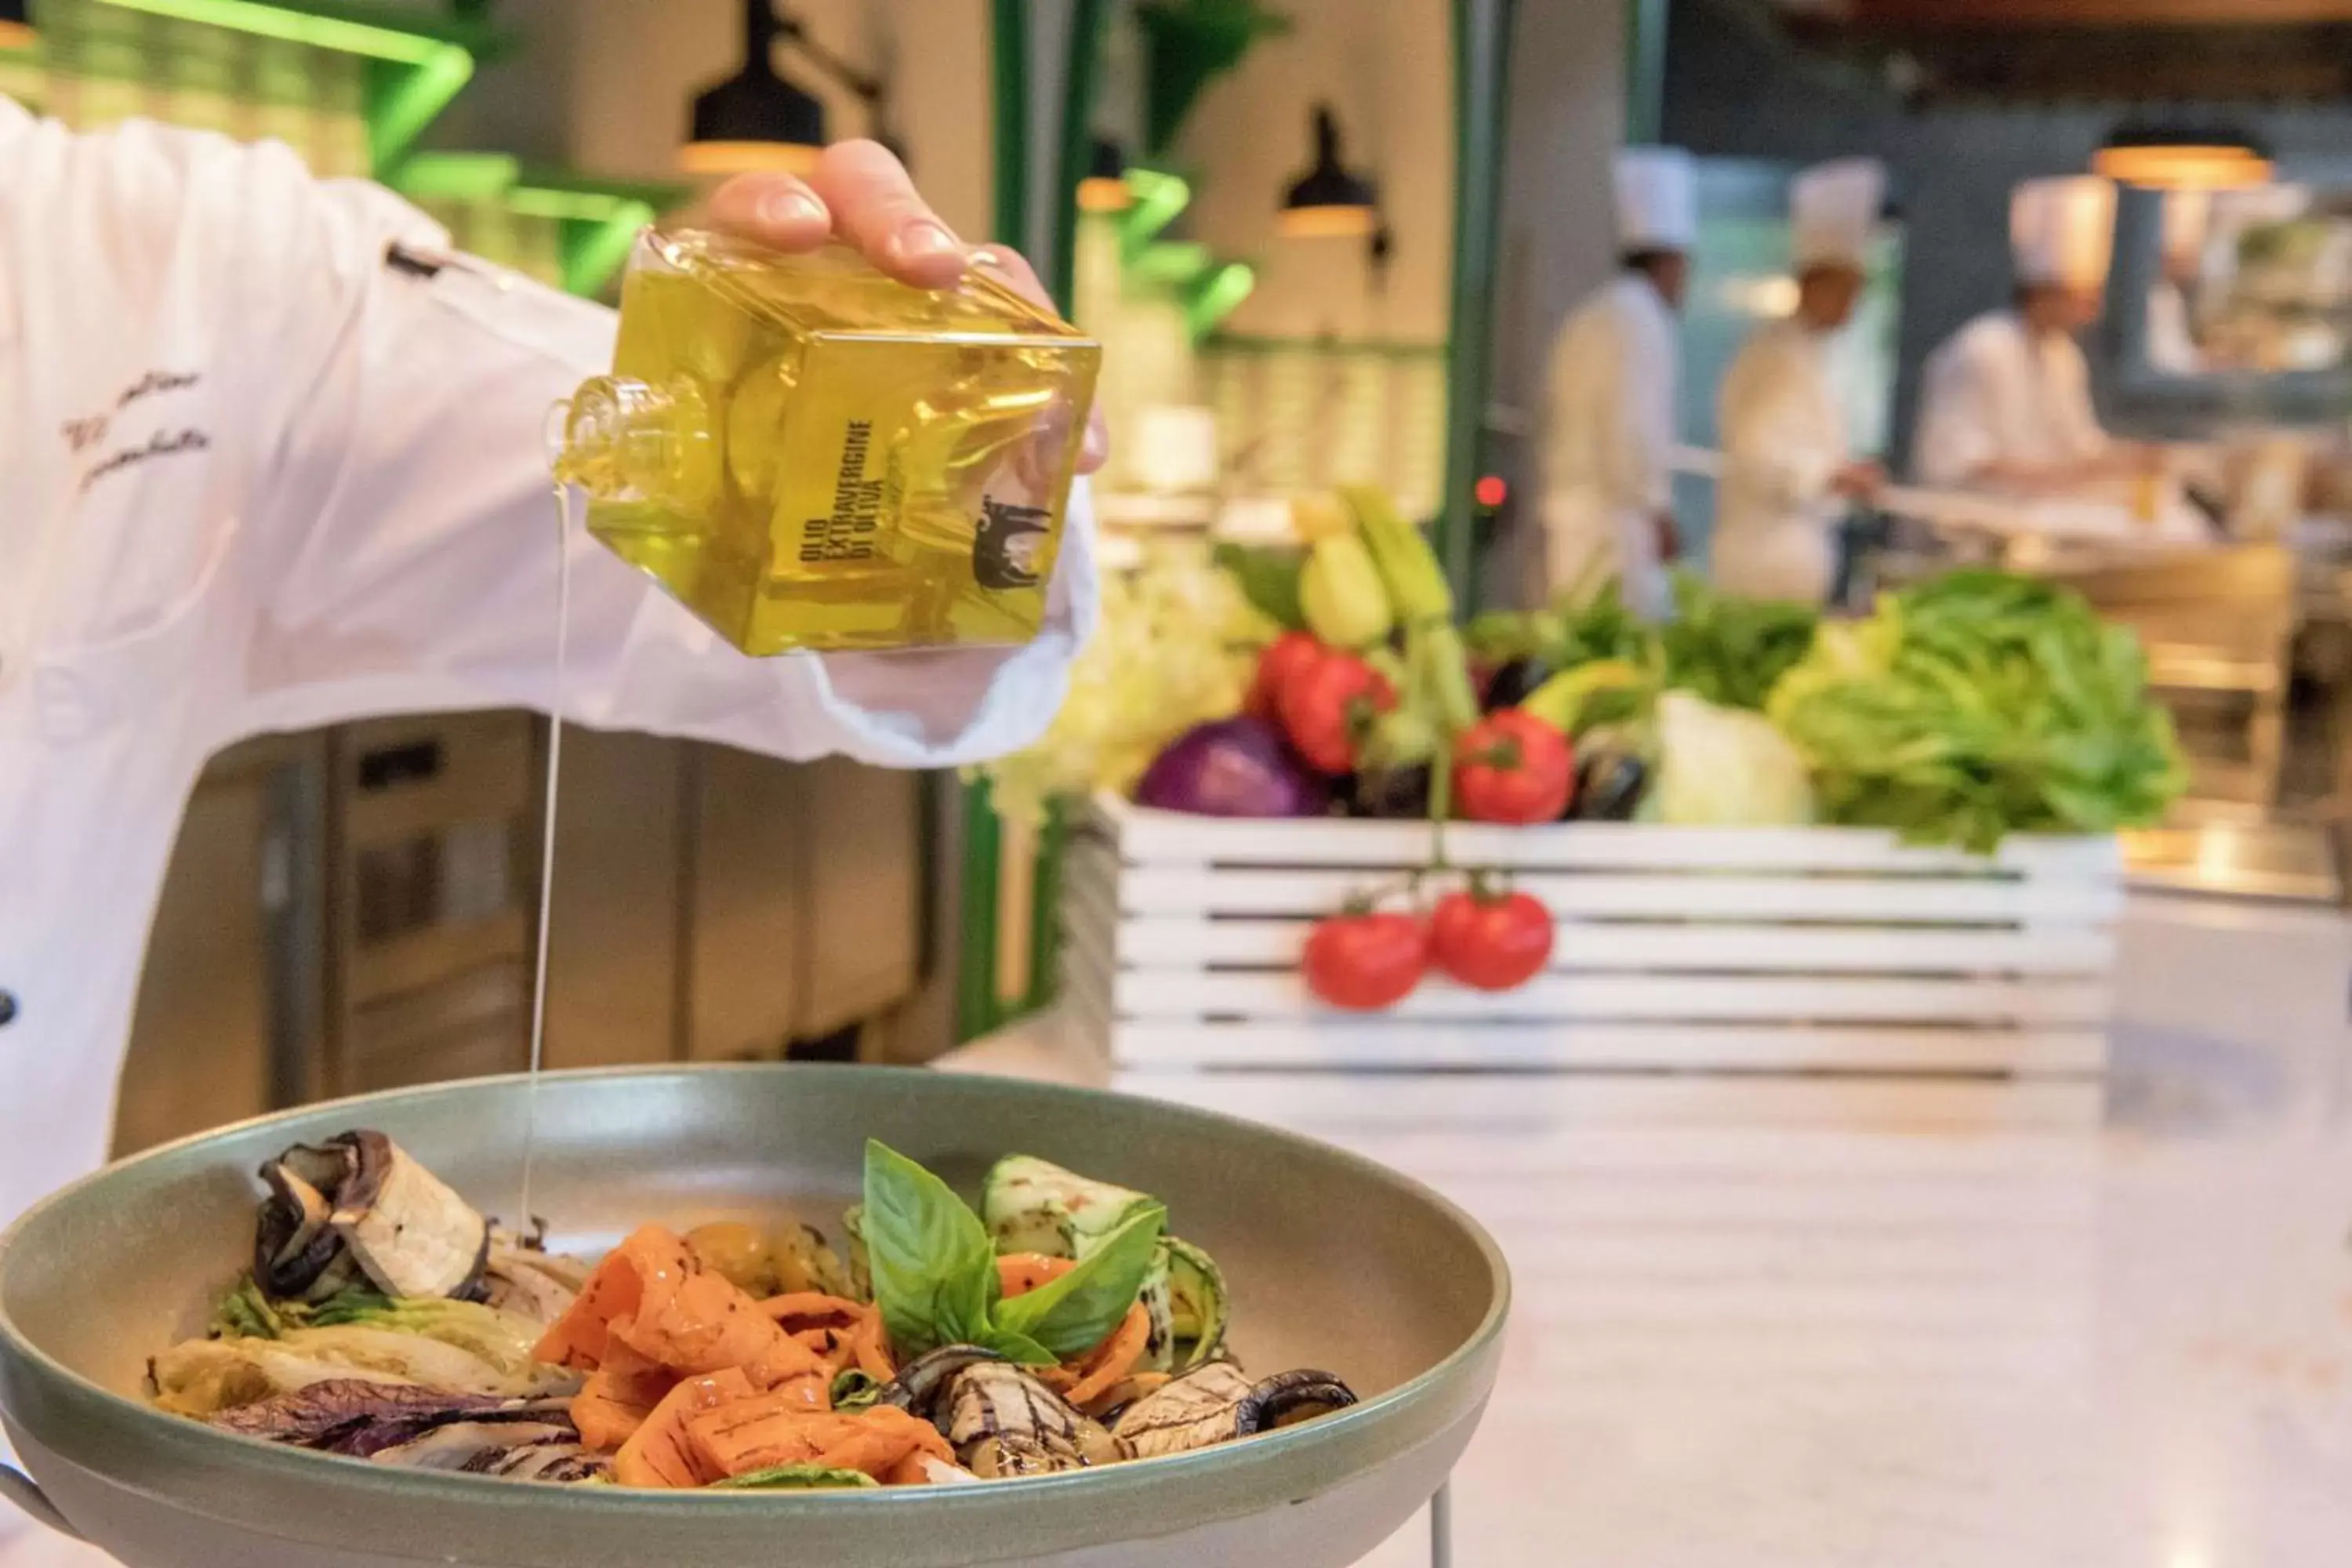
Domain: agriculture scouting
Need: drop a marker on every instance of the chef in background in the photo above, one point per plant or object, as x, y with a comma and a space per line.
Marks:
1608, 489
272, 456
2173, 345
2005, 404
1790, 469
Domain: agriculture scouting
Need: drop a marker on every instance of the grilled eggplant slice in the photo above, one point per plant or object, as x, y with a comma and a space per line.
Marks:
358, 1205
1000, 1420
921, 1387
1217, 1403
1003, 1422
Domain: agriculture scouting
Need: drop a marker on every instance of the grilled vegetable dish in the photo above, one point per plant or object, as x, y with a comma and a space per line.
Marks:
1058, 1326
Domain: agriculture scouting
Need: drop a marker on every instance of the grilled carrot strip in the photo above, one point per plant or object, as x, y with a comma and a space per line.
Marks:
1021, 1272
1086, 1378
659, 1452
653, 1296
760, 1433
871, 1347
804, 1308
619, 1396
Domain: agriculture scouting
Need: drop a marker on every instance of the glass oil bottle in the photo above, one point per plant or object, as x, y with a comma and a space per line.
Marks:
811, 455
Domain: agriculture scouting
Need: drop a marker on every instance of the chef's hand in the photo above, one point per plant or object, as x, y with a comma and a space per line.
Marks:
861, 192
1859, 481
1669, 537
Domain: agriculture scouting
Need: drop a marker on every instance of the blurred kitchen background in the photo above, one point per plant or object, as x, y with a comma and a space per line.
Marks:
354, 909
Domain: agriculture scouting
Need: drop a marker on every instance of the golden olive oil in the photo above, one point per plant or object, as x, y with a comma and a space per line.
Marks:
811, 455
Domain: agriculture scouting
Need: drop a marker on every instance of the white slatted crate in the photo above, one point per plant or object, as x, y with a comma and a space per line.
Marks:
1837, 963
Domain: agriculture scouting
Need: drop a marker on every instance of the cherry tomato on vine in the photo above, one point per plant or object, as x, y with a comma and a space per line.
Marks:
1366, 962
1492, 942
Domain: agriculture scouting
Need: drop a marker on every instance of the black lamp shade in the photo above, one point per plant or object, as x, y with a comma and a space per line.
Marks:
15, 23
1104, 189
759, 106
755, 119
1329, 198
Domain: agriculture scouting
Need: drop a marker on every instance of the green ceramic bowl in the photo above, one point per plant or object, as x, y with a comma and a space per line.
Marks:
1333, 1263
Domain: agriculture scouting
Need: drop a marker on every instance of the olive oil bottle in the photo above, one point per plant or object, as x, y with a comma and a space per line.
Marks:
811, 455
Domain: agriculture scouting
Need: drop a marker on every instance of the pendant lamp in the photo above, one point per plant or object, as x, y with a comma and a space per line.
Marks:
1105, 188
2184, 158
16, 25
1329, 200
755, 120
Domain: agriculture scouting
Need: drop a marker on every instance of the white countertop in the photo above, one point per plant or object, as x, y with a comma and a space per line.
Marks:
1739, 1345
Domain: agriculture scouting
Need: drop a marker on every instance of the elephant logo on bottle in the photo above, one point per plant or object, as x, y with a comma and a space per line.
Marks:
1005, 545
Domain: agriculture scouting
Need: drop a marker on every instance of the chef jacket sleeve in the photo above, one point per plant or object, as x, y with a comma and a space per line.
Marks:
1958, 435
1564, 464
1771, 434
413, 544
2079, 434
1638, 448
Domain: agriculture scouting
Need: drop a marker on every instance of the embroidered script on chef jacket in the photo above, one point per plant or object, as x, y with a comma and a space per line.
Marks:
88, 437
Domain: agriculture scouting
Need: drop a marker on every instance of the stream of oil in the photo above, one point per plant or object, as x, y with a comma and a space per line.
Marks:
524, 1221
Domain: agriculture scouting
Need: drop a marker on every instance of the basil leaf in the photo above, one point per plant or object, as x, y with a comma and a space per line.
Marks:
797, 1478
1015, 1346
1078, 1310
934, 1270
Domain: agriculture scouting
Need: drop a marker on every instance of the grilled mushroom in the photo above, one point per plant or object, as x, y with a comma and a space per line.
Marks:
359, 1204
1000, 1420
1217, 1403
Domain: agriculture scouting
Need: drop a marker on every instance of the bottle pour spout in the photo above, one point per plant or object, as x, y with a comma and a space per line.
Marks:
554, 439
625, 439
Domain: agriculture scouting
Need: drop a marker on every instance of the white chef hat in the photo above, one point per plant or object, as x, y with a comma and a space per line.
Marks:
1833, 212
1657, 199
2063, 230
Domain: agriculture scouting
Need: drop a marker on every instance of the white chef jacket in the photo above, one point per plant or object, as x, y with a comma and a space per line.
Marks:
2171, 340
1784, 439
1610, 434
1996, 393
256, 476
